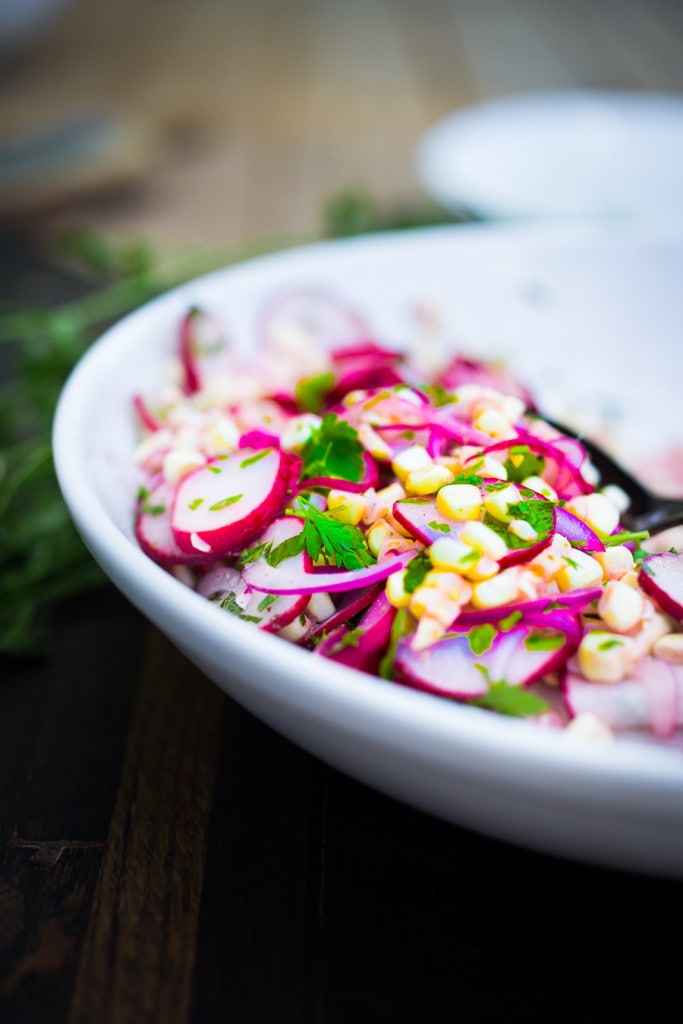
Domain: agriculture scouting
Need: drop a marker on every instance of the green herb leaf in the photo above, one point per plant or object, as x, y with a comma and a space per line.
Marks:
401, 626
310, 392
416, 570
229, 604
442, 527
506, 699
544, 641
522, 462
324, 536
481, 637
225, 502
333, 450
255, 458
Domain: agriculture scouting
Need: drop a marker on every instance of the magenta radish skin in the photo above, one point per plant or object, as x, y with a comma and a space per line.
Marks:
661, 576
154, 533
576, 531
347, 605
416, 515
222, 581
223, 505
374, 633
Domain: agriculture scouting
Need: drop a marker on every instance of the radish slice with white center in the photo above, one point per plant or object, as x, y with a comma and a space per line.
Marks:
296, 575
362, 647
652, 696
225, 587
203, 349
661, 576
223, 505
520, 656
422, 519
153, 528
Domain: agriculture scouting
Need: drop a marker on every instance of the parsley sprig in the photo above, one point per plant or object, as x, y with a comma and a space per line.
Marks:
333, 450
325, 537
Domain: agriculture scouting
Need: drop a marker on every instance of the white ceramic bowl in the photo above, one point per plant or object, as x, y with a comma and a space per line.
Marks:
585, 316
587, 154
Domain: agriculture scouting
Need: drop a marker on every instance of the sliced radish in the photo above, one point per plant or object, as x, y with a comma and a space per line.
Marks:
295, 575
661, 576
651, 697
422, 519
347, 605
153, 528
573, 601
364, 646
225, 586
204, 349
519, 656
311, 317
221, 506
576, 531
492, 375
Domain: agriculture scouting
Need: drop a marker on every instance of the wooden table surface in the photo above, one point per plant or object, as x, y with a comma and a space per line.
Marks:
165, 857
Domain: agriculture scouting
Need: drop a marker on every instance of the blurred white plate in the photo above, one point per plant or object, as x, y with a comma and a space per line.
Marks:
583, 317
615, 156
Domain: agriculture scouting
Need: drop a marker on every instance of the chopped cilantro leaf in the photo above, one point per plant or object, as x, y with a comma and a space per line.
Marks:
607, 645
266, 602
255, 458
510, 621
225, 502
333, 450
522, 462
507, 699
229, 603
481, 637
442, 527
310, 392
544, 641
324, 536
416, 570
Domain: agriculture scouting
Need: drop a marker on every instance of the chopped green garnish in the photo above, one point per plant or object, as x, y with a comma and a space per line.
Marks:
544, 641
213, 469
522, 462
536, 511
626, 537
351, 638
469, 478
507, 699
510, 621
333, 450
437, 393
401, 626
607, 645
195, 504
324, 536
255, 458
416, 570
229, 603
251, 554
481, 637
266, 602
442, 527
153, 510
310, 392
225, 502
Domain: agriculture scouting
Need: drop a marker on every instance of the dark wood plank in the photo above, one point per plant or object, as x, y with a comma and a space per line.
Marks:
138, 956
63, 723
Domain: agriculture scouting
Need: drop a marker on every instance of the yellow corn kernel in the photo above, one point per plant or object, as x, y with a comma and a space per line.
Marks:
451, 555
616, 562
524, 530
605, 657
396, 591
428, 480
580, 570
491, 593
486, 465
493, 423
621, 607
541, 486
497, 503
373, 443
484, 540
346, 506
482, 568
409, 460
378, 532
181, 461
459, 501
596, 511
669, 648
546, 564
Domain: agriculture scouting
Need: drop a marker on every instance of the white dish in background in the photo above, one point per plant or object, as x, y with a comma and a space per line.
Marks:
612, 156
584, 316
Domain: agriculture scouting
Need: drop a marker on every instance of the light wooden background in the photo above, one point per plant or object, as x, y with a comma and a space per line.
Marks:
245, 115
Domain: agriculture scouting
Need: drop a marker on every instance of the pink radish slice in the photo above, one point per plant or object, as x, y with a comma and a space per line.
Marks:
573, 600
370, 638
661, 576
259, 439
147, 417
652, 696
468, 371
347, 605
153, 529
422, 519
203, 349
225, 587
576, 531
449, 667
369, 479
221, 506
311, 316
294, 575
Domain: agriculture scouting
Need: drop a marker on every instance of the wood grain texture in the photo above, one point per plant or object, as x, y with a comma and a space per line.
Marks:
138, 953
